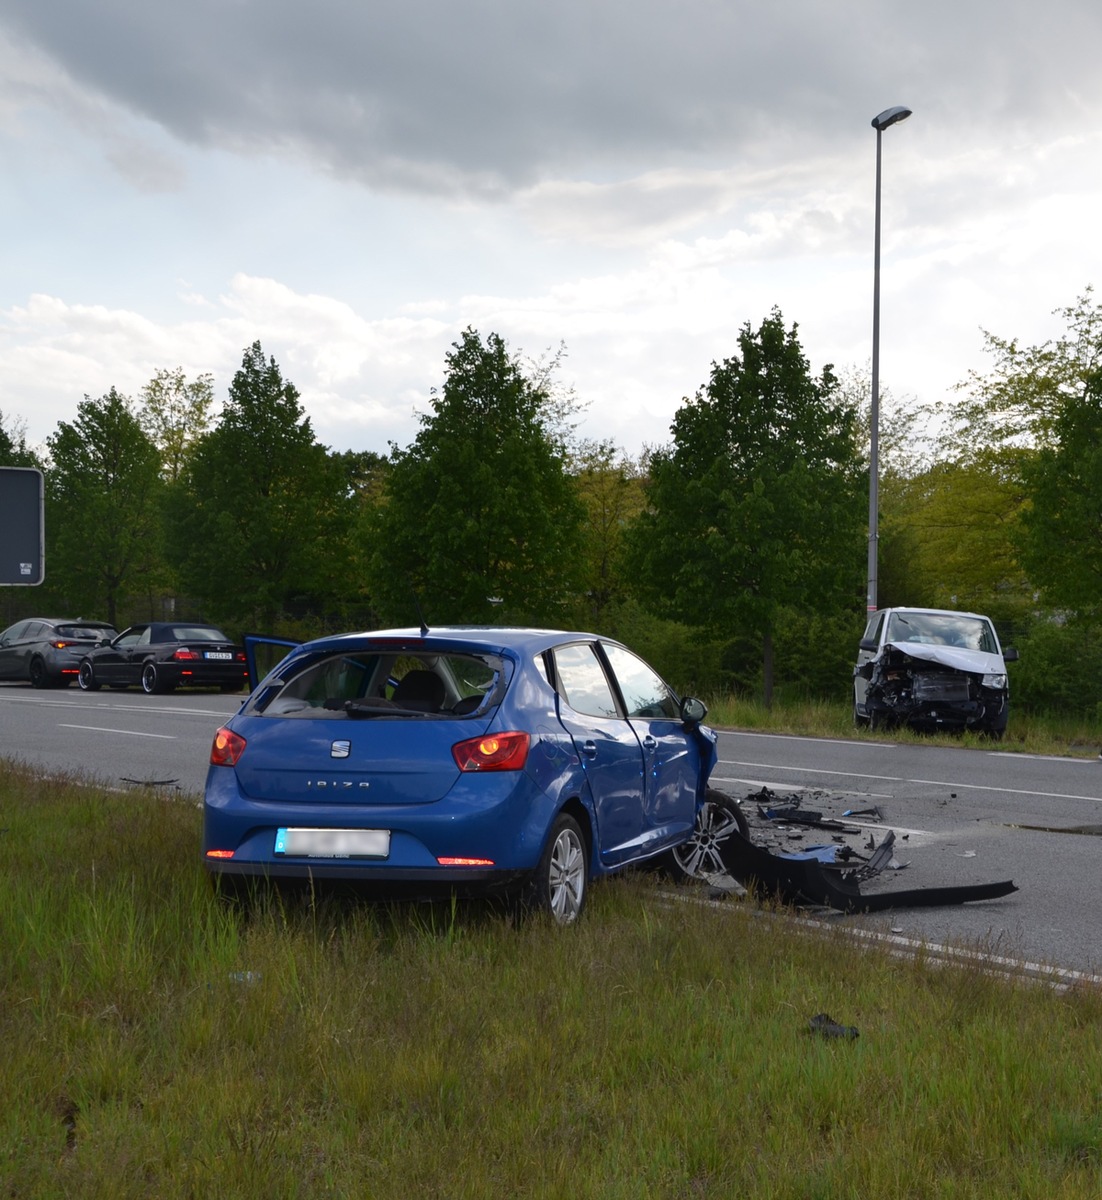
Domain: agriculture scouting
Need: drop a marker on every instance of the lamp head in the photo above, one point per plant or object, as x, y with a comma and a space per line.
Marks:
890, 116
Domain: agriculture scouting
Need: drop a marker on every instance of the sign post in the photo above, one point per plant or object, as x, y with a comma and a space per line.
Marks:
22, 527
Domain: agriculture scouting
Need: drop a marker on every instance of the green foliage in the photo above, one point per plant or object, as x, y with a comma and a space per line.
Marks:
1061, 532
1013, 500
175, 413
14, 451
480, 520
103, 490
1016, 405
756, 505
1060, 669
259, 519
610, 486
951, 530
689, 659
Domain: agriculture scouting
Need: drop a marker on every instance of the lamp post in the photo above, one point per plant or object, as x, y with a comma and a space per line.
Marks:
890, 116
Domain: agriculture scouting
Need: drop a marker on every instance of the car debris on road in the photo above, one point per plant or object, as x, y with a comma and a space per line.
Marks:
828, 874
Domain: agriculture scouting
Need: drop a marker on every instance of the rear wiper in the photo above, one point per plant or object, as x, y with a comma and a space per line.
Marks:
372, 707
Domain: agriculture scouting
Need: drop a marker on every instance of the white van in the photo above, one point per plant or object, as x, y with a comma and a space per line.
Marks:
932, 668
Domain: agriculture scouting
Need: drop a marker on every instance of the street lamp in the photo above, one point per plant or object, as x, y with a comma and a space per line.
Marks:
890, 116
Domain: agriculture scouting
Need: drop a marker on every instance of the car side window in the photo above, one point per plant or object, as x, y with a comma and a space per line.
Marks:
876, 623
129, 637
582, 681
645, 693
34, 629
144, 637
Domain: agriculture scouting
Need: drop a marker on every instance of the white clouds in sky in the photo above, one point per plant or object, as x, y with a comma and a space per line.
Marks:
353, 185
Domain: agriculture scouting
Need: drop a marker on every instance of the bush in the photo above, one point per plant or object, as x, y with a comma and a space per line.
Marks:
1060, 667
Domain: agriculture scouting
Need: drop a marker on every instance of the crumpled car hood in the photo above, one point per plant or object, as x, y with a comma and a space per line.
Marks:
956, 657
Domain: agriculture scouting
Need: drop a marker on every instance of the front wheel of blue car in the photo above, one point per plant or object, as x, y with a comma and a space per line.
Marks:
563, 872
701, 857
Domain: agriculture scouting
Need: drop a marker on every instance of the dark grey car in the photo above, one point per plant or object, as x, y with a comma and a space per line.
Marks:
47, 651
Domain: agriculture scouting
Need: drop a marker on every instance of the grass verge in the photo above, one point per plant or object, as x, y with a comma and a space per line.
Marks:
160, 1043
1028, 733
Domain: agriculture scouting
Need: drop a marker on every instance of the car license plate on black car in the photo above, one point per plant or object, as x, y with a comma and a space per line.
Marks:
219, 654
333, 843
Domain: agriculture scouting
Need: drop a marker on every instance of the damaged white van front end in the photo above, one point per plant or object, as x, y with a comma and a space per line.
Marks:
932, 669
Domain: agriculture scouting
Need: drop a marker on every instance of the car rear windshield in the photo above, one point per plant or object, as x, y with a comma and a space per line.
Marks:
85, 633
943, 629
195, 633
374, 684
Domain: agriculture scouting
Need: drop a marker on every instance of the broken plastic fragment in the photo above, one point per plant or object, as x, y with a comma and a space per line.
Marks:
826, 1026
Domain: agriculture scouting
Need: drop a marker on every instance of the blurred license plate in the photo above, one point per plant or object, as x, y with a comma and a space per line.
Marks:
221, 654
334, 843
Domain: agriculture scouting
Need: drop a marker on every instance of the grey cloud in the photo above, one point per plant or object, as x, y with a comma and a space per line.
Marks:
494, 95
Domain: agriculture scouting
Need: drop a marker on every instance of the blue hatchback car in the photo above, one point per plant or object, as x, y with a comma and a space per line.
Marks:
460, 758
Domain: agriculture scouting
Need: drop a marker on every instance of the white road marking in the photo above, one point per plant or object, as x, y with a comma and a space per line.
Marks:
101, 706
167, 737
946, 783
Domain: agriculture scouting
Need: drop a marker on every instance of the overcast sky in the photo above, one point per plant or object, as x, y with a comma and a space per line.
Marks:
354, 182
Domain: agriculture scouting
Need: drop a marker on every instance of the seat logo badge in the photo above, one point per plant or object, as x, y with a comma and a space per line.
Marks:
340, 749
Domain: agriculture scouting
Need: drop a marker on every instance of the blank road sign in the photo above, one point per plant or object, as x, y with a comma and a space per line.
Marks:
22, 532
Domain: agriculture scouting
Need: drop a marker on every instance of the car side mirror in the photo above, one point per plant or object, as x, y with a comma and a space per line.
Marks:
1010, 654
693, 711
868, 644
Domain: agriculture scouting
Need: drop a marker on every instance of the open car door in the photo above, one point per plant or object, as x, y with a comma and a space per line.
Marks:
264, 653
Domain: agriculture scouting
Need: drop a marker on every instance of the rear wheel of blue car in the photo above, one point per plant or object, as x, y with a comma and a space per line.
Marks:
701, 857
563, 873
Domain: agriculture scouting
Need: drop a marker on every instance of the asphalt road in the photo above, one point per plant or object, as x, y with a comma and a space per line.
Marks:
114, 737
960, 816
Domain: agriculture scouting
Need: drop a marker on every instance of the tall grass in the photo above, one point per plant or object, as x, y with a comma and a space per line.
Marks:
159, 1043
1028, 732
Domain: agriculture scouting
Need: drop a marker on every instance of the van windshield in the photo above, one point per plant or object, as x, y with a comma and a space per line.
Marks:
943, 629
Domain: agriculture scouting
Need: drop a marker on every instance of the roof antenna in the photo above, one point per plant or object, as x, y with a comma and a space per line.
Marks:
420, 614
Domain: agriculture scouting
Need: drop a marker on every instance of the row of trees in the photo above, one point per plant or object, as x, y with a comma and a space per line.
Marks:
733, 555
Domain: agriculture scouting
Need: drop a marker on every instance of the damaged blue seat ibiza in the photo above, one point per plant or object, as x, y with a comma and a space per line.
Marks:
464, 758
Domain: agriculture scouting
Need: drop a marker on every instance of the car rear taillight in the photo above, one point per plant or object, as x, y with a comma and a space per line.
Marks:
185, 655
227, 749
446, 861
492, 752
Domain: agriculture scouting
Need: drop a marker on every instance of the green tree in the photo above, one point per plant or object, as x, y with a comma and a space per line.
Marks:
14, 451
999, 442
103, 536
756, 506
1017, 403
1061, 530
610, 487
175, 413
259, 518
480, 520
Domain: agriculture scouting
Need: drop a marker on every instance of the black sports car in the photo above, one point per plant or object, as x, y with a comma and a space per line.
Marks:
164, 655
